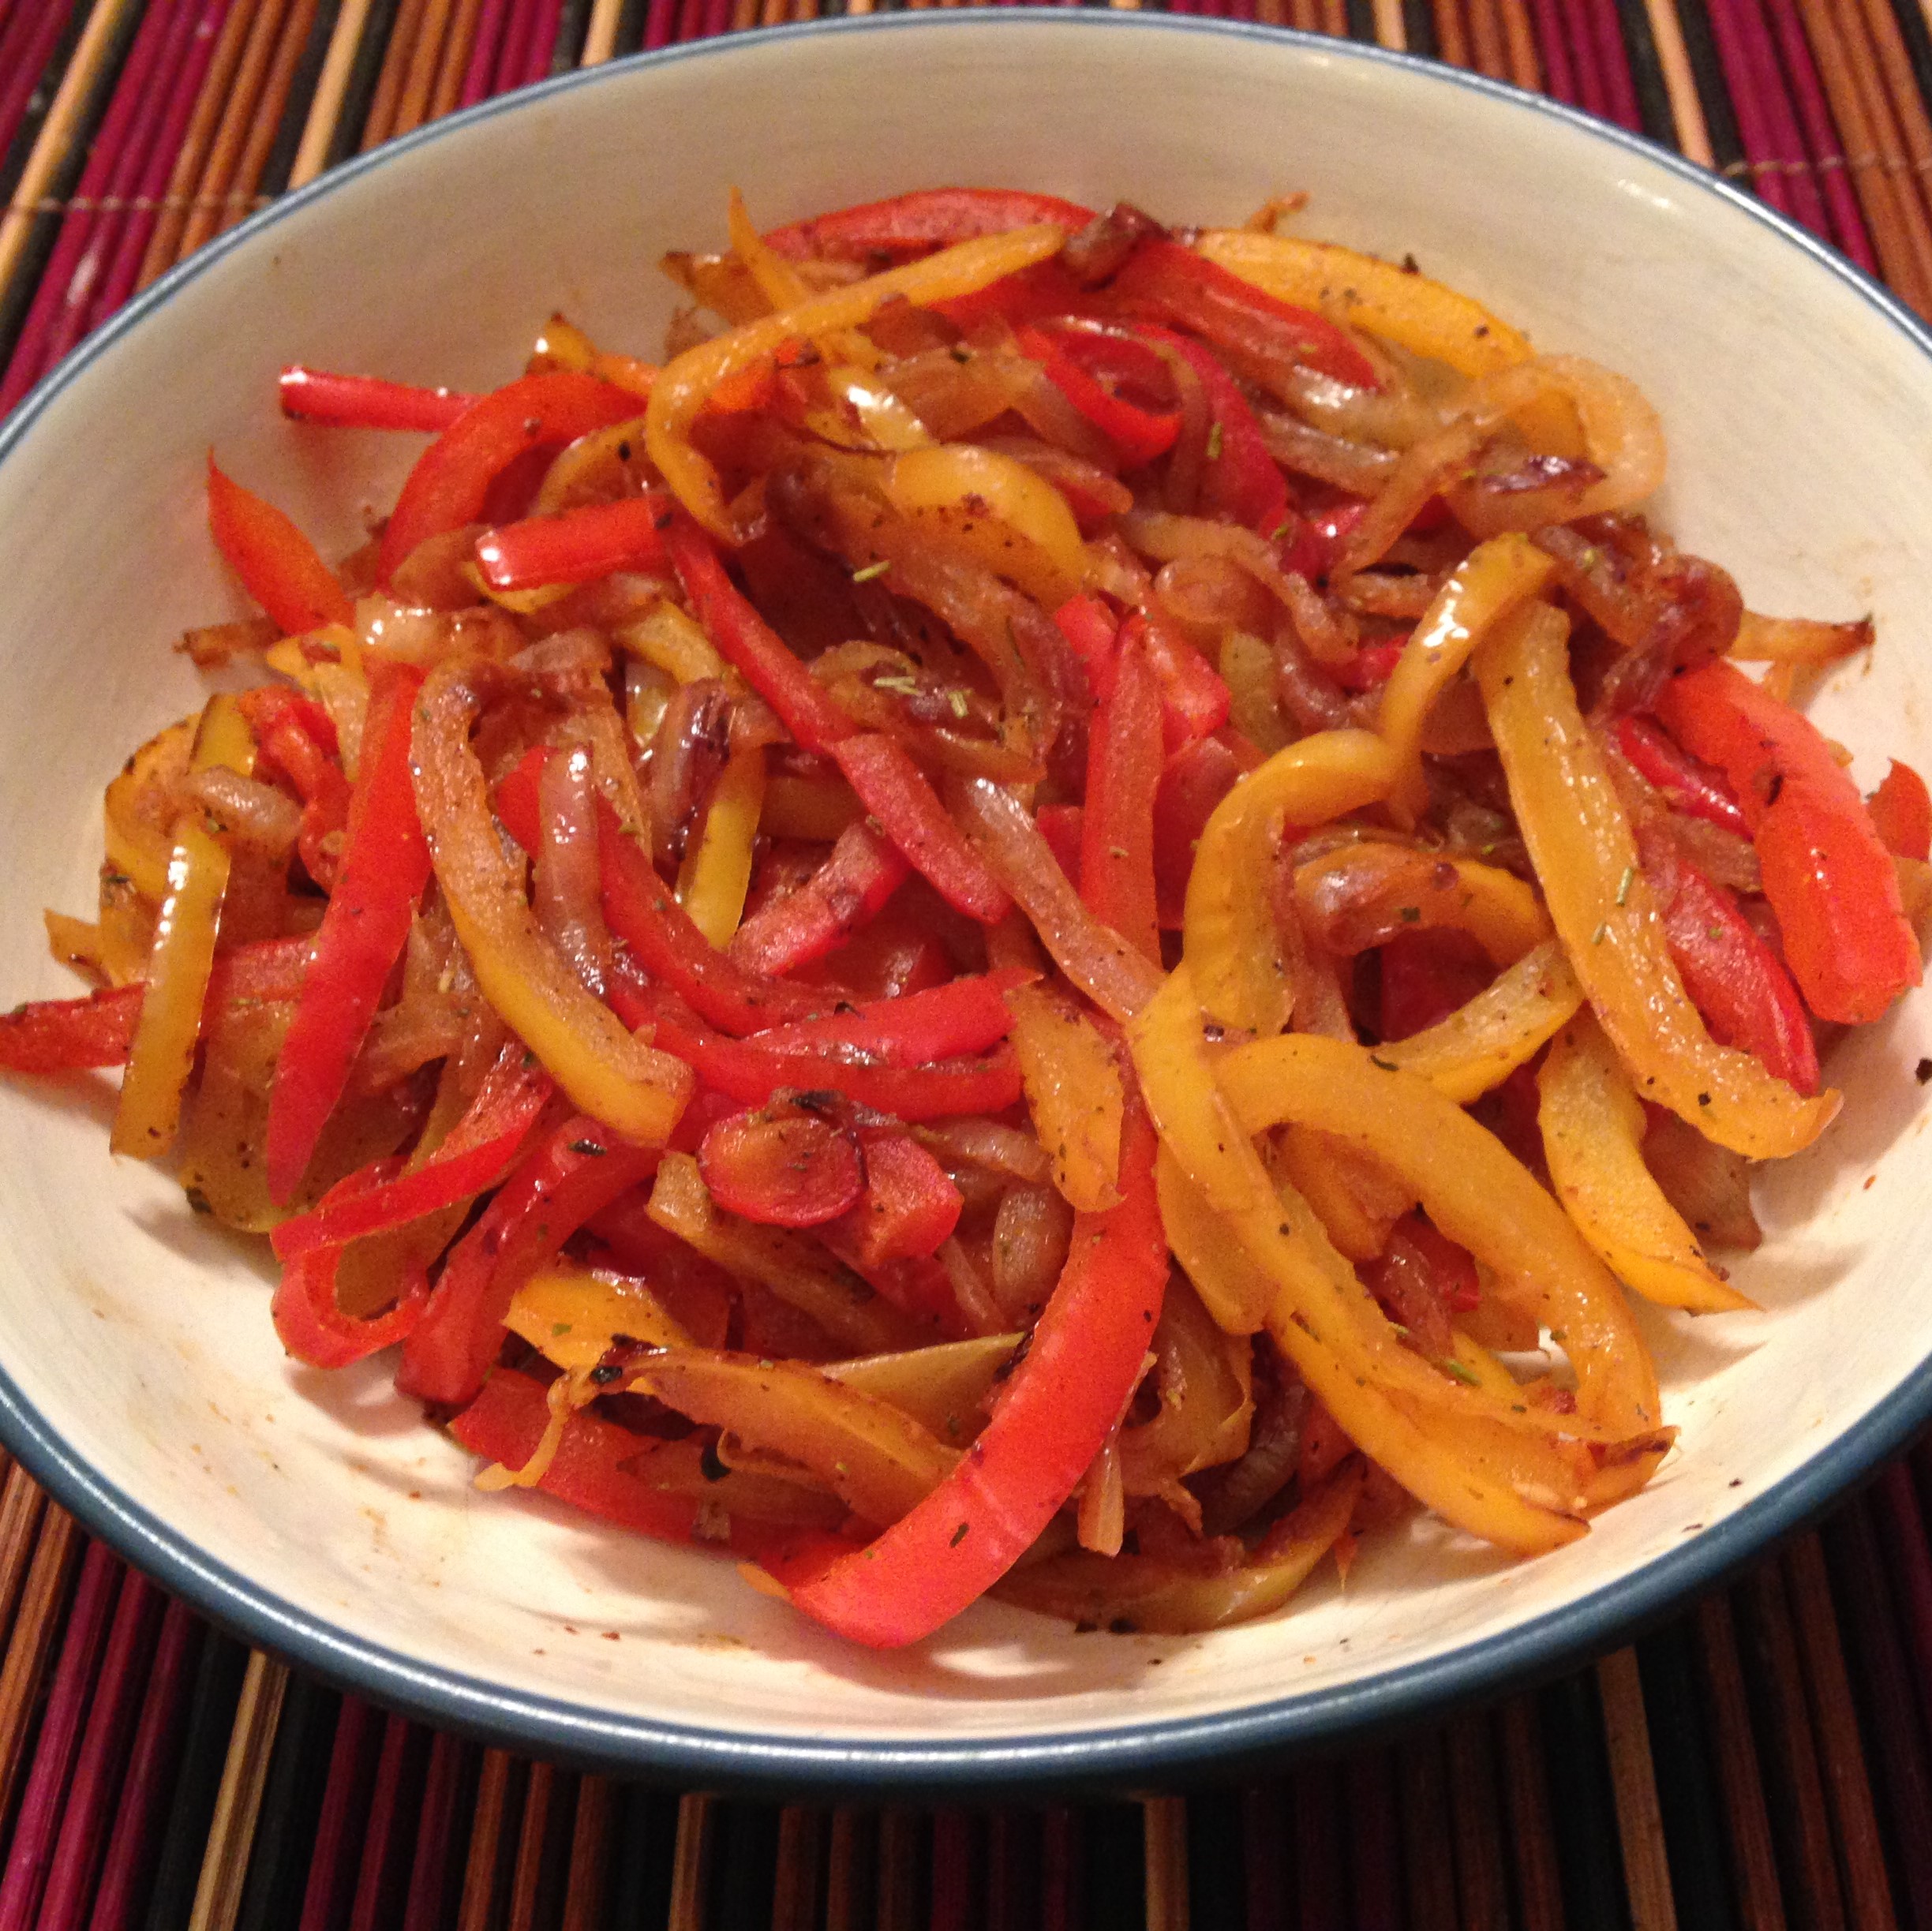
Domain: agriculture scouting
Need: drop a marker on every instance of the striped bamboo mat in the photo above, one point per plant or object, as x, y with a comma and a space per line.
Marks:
1762, 1762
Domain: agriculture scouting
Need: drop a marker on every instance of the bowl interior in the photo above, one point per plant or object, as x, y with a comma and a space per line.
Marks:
141, 1374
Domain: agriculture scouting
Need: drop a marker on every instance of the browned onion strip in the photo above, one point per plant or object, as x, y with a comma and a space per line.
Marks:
568, 900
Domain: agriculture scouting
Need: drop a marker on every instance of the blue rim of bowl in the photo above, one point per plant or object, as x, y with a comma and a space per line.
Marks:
544, 1724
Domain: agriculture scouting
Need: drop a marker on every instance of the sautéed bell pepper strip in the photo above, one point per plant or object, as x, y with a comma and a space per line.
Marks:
1826, 871
384, 865
910, 1207
782, 1165
1094, 634
679, 395
311, 1326
846, 891
1689, 785
1901, 810
1239, 479
1123, 773
451, 479
966, 1015
1140, 434
891, 787
277, 564
1183, 287
606, 1071
471, 1158
1081, 1369
640, 910
575, 1170
750, 1072
366, 401
909, 225
1194, 696
575, 546
1733, 977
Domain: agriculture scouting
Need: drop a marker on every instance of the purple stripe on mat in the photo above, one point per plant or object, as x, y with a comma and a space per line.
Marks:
1612, 60
60, 301
429, 1875
332, 1865
384, 1842
35, 1833
1559, 77
145, 1790
25, 48
97, 1788
1593, 91
1788, 145
1847, 223
137, 227
1748, 103
657, 23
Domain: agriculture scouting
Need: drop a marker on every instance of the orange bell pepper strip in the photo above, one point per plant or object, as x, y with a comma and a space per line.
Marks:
384, 865
277, 564
1059, 1407
1901, 811
1827, 872
575, 546
451, 479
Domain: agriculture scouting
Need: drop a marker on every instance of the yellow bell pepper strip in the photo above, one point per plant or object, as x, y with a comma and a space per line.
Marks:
1060, 1405
1584, 851
383, 867
161, 1056
798, 1271
1495, 578
1592, 1128
1009, 516
872, 1455
1356, 1206
678, 395
274, 559
1496, 907
1229, 937
1826, 871
783, 287
1376, 297
136, 846
572, 1315
569, 1173
1473, 1190
946, 1388
1506, 1486
1481, 1044
636, 1092
1074, 1093
717, 871
1155, 1597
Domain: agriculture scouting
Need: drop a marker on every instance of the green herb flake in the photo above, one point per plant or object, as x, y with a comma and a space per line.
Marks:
1624, 883
1602, 934
872, 571
1457, 1371
1214, 443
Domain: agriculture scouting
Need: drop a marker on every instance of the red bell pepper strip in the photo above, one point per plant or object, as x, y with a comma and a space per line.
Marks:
1192, 782
1689, 785
1194, 696
910, 1207
1062, 1400
565, 1177
1426, 973
277, 564
1140, 434
288, 744
1047, 289
1826, 871
515, 802
385, 865
1239, 479
1311, 547
269, 705
594, 1466
785, 1165
951, 1021
472, 1157
1093, 631
639, 909
750, 1072
1901, 810
366, 401
1453, 1266
1733, 977
845, 893
919, 223
1371, 667
1123, 774
575, 546
1063, 827
896, 792
311, 1326
450, 482
1173, 282
69, 1035
750, 644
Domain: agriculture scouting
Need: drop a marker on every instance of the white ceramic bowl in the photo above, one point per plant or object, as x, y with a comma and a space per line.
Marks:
142, 1381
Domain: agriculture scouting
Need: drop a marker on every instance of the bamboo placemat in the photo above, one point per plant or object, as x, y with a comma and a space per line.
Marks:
1761, 1762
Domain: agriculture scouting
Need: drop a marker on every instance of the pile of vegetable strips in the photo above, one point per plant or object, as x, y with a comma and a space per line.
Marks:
1056, 916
